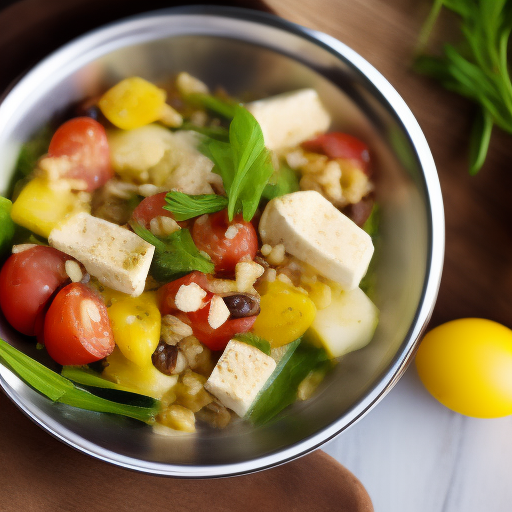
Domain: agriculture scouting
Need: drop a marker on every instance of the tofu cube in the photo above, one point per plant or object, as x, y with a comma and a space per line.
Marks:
239, 376
291, 118
117, 257
316, 232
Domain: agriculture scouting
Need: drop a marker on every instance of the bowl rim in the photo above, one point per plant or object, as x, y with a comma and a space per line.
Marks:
435, 220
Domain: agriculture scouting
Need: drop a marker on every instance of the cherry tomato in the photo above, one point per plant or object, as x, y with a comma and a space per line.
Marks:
151, 207
340, 145
466, 364
77, 328
211, 235
28, 280
214, 339
84, 141
167, 292
217, 339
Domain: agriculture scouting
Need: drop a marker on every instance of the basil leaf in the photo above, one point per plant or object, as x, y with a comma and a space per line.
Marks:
185, 206
255, 341
59, 389
245, 164
8, 226
175, 256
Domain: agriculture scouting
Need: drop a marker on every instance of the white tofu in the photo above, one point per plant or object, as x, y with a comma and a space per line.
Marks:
291, 118
239, 375
117, 257
316, 232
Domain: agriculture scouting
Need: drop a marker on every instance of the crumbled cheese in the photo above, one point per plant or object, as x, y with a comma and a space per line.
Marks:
22, 247
188, 84
163, 226
277, 254
170, 117
189, 297
266, 249
246, 273
218, 313
285, 279
232, 231
73, 271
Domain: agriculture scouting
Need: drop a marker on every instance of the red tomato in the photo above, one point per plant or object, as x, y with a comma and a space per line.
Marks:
217, 339
77, 328
168, 291
151, 207
84, 141
340, 145
209, 235
27, 282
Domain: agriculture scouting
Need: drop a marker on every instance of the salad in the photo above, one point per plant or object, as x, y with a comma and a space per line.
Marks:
186, 258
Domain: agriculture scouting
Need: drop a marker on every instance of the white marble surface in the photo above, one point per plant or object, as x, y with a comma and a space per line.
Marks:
414, 455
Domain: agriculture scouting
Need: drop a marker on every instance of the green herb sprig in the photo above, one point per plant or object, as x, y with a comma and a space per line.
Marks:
60, 389
175, 255
185, 206
478, 69
245, 165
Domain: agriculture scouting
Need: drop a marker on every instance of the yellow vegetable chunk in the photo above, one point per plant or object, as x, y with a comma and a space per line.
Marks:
136, 325
286, 314
40, 207
132, 103
146, 380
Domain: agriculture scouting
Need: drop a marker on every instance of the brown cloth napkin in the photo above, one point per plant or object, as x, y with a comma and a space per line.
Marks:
39, 473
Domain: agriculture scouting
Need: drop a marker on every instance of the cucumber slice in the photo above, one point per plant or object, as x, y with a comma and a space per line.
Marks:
347, 324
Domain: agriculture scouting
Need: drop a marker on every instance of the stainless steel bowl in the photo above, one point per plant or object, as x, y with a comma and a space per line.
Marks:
250, 51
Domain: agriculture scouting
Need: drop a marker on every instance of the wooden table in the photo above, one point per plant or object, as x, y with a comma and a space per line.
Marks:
477, 278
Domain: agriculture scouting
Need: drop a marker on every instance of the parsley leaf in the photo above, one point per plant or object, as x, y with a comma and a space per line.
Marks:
255, 341
175, 255
244, 164
477, 69
185, 206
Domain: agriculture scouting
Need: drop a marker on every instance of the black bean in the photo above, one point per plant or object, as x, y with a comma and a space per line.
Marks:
164, 358
241, 305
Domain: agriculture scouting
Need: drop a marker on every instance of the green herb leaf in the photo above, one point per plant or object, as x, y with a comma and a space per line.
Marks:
185, 206
7, 226
478, 68
280, 390
245, 164
214, 132
175, 255
255, 341
97, 385
59, 389
479, 141
283, 181
222, 107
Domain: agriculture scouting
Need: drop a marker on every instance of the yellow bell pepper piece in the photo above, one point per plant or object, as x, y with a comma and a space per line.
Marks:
146, 380
286, 313
40, 208
136, 323
132, 103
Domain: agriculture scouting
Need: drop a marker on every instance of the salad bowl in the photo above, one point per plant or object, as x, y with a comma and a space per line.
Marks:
261, 55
